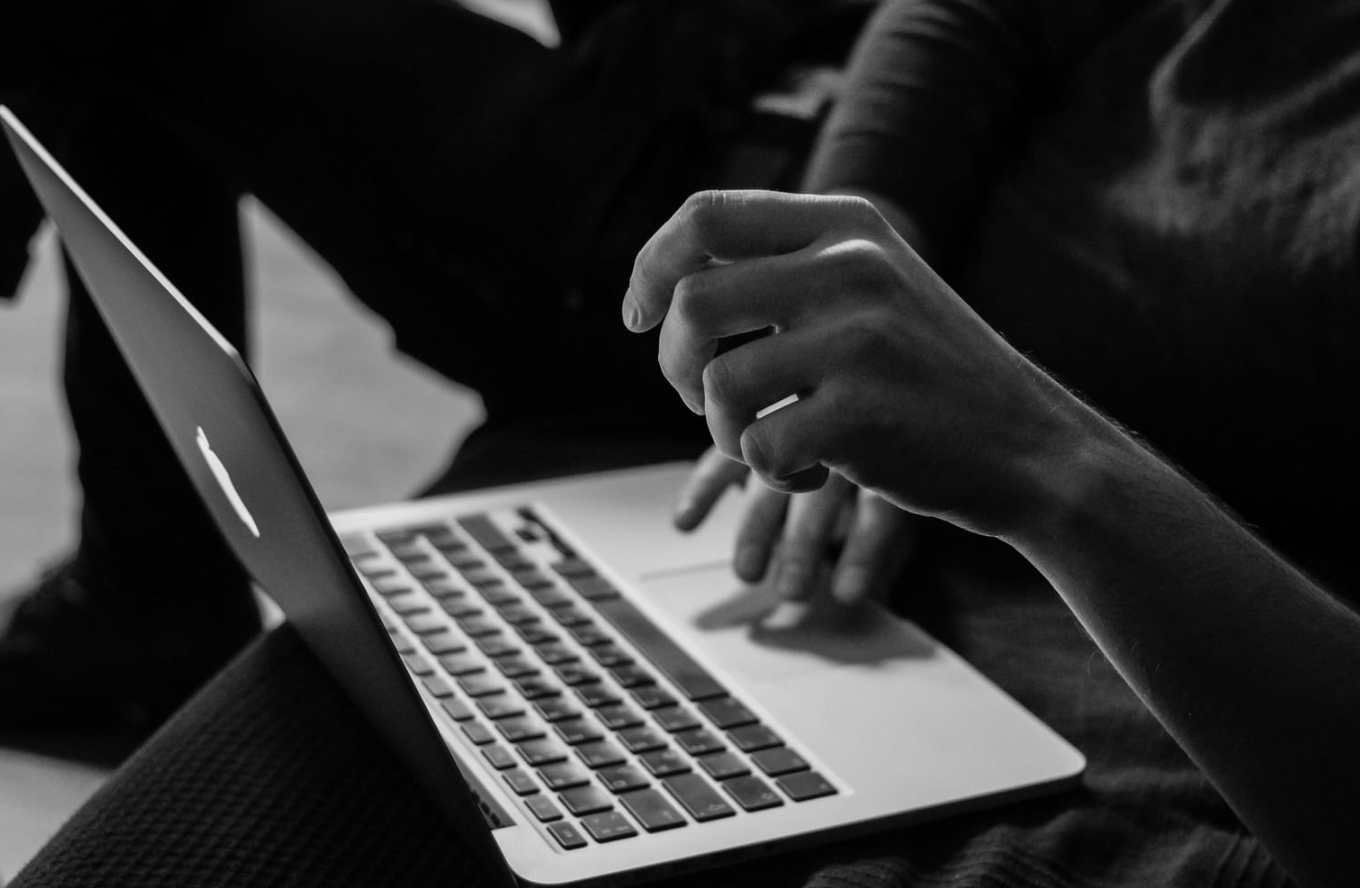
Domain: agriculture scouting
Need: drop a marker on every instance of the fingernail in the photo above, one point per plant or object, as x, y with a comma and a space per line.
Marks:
683, 516
632, 317
851, 585
749, 563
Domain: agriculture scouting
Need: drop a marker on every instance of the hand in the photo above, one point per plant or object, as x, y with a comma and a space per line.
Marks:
900, 387
797, 535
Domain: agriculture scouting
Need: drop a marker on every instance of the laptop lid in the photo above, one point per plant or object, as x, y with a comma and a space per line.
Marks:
222, 430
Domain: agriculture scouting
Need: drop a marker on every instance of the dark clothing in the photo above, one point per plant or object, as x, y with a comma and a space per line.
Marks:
1159, 202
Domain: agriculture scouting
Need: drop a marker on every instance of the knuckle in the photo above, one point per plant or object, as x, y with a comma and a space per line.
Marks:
721, 382
701, 209
689, 299
864, 216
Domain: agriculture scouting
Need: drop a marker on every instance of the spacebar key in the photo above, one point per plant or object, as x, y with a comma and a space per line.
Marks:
667, 656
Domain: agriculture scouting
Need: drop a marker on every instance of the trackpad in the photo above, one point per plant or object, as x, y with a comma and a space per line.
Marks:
758, 637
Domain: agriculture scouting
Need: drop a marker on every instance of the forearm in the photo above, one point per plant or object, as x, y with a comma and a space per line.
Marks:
1248, 664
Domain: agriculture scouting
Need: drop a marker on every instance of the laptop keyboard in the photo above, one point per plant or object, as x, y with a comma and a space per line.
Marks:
594, 718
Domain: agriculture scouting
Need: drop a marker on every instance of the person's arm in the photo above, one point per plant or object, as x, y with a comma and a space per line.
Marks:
904, 390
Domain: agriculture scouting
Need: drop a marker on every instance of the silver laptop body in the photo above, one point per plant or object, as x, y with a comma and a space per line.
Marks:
590, 696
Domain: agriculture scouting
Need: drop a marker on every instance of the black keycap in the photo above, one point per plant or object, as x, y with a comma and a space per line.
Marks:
403, 644
677, 665
554, 653
664, 762
573, 567
532, 688
487, 534
462, 558
726, 713
652, 810
543, 808
460, 609
457, 709
424, 569
388, 623
752, 793
530, 577
499, 757
551, 597
481, 685
476, 625
750, 738
515, 666
518, 615
600, 754
556, 708
697, 797
622, 778
461, 664
674, 718
357, 545
653, 697
418, 664
522, 782
445, 642
723, 765
780, 760
618, 716
500, 706
426, 623
513, 561
477, 732
480, 575
805, 785
444, 587
438, 685
500, 595
577, 730
520, 728
408, 604
564, 775
641, 739
542, 752
610, 655
594, 695
570, 616
575, 674
395, 536
588, 635
538, 634
392, 586
608, 826
698, 742
407, 548
585, 800
567, 835
593, 588
497, 646
631, 676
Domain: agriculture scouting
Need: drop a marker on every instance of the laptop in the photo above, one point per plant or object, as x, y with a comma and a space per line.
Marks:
590, 696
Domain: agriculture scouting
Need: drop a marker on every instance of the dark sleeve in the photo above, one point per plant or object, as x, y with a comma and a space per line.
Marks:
938, 93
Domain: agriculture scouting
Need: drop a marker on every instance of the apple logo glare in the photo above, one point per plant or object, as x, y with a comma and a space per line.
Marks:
224, 481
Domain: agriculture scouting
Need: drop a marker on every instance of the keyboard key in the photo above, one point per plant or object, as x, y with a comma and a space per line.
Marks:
578, 730
752, 793
518, 614
500, 595
395, 536
407, 549
723, 765
551, 597
486, 533
564, 775
530, 577
622, 778
585, 800
462, 558
674, 718
572, 567
438, 685
543, 808
631, 676
653, 697
641, 739
513, 561
750, 738
426, 623
726, 712
589, 635
481, 685
444, 587
542, 752
805, 785
618, 716
608, 655
500, 706
698, 798
596, 695
570, 616
539, 634
477, 732
519, 728
664, 762
556, 708
651, 809
457, 709
393, 585
408, 604
698, 742
532, 688
667, 656
476, 625
521, 782
593, 588
424, 569
600, 754
461, 664
443, 643
780, 760
553, 652
403, 644
515, 666
567, 835
460, 608
418, 664
499, 757
608, 826
497, 646
480, 575
576, 674
357, 546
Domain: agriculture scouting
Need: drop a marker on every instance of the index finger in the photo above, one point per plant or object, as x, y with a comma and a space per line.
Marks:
723, 225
